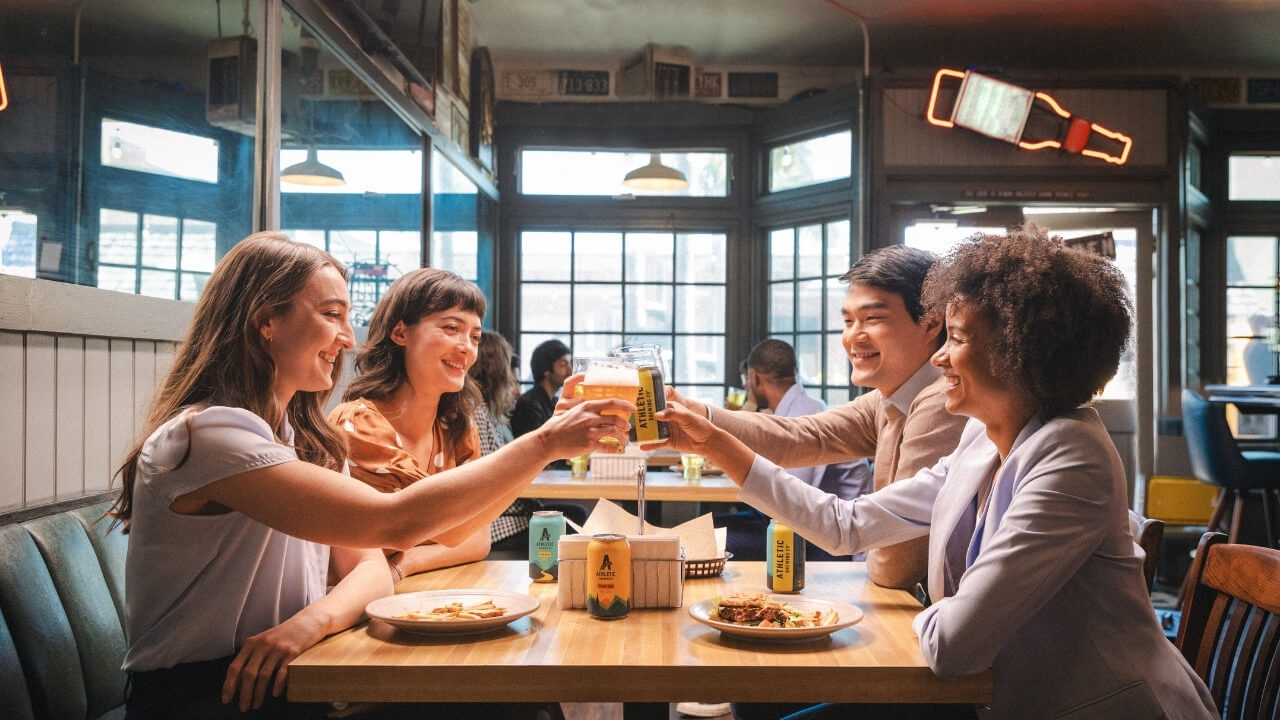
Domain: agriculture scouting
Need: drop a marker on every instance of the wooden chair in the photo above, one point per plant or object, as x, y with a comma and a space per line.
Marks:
1230, 631
1150, 535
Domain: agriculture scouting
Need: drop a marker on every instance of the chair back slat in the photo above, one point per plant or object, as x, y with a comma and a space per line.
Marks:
1261, 697
1230, 632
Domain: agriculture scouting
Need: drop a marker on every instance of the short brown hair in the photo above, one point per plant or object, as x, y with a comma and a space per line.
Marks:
1059, 318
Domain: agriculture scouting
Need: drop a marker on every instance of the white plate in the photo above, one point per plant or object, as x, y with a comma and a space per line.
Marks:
846, 615
385, 609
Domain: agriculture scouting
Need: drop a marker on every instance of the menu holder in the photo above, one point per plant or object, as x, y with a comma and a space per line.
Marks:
657, 571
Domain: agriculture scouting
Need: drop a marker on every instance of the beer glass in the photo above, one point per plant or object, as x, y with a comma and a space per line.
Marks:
647, 359
610, 378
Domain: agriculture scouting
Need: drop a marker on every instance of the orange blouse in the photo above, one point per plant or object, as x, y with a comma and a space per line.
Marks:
378, 457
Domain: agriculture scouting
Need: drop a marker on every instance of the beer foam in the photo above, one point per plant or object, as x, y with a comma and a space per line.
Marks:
614, 375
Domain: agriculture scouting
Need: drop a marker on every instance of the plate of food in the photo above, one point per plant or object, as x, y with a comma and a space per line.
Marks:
775, 618
451, 612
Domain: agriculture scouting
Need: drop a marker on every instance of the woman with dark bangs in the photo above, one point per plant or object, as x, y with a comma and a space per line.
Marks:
1033, 571
408, 411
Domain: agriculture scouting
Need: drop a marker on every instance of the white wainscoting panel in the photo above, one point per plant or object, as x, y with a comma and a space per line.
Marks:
13, 426
41, 419
70, 402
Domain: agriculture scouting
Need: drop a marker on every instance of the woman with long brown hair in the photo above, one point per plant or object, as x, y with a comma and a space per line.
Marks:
235, 505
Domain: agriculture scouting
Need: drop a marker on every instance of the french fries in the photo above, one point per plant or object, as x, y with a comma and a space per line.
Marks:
456, 611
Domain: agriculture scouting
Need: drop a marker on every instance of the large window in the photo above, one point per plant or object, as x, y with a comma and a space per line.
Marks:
805, 297
1252, 309
812, 161
154, 255
596, 290
600, 173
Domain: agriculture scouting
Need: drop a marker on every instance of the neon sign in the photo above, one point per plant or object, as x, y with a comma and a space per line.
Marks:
4, 96
1032, 120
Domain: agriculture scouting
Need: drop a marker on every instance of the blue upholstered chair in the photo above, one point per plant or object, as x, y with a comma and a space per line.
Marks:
1217, 459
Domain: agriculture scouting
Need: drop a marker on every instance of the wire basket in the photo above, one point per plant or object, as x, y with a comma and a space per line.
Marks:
706, 568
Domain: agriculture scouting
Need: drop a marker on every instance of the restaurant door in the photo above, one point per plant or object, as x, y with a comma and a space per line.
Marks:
1127, 403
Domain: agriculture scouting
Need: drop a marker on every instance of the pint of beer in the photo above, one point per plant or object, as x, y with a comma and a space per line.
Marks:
611, 380
647, 359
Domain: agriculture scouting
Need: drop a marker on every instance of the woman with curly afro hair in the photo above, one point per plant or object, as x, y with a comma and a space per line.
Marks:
1033, 570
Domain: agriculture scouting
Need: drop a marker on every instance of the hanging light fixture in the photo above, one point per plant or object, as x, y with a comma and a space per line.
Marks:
655, 176
312, 172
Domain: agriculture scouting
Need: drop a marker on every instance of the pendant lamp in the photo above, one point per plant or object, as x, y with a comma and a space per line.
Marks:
312, 172
655, 176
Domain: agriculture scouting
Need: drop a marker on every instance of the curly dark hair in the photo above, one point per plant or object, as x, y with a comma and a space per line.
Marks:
1059, 318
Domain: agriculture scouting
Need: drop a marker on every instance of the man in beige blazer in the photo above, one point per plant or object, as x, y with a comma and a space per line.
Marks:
902, 424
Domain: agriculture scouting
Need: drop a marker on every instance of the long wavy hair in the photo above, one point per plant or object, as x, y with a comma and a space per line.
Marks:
380, 365
223, 360
494, 376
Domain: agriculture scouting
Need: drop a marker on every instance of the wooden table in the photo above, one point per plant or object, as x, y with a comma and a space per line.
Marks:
653, 655
658, 485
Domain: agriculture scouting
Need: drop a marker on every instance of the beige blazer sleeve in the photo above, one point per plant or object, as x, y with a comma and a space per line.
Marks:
845, 432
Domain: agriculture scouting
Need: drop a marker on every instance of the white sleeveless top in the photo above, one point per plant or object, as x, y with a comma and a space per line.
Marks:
197, 586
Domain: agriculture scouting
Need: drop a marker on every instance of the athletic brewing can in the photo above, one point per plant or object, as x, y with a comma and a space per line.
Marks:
608, 576
545, 529
785, 552
647, 359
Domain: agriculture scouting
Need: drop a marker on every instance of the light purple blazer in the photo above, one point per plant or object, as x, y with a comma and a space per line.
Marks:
1052, 595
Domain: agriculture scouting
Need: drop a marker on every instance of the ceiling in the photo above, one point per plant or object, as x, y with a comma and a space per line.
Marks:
1230, 36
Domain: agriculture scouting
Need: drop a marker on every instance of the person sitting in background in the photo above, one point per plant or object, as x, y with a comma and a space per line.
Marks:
407, 413
902, 424
1032, 550
493, 375
235, 507
550, 364
772, 384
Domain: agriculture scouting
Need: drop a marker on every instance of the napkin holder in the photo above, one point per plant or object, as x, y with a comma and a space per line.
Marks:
657, 571
617, 466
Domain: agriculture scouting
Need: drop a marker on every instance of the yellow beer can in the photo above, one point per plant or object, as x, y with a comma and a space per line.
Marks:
608, 576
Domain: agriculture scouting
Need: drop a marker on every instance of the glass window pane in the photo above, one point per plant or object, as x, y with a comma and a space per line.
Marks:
835, 294
838, 369
353, 246
18, 232
1251, 261
809, 251
809, 300
402, 251
598, 173
781, 308
595, 345
700, 308
700, 258
1250, 316
453, 251
596, 308
838, 247
649, 257
544, 255
156, 283
199, 245
118, 279
836, 396
782, 252
648, 308
384, 172
816, 160
543, 307
597, 256
699, 359
314, 238
161, 152
809, 356
118, 239
191, 285
159, 243
1253, 177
